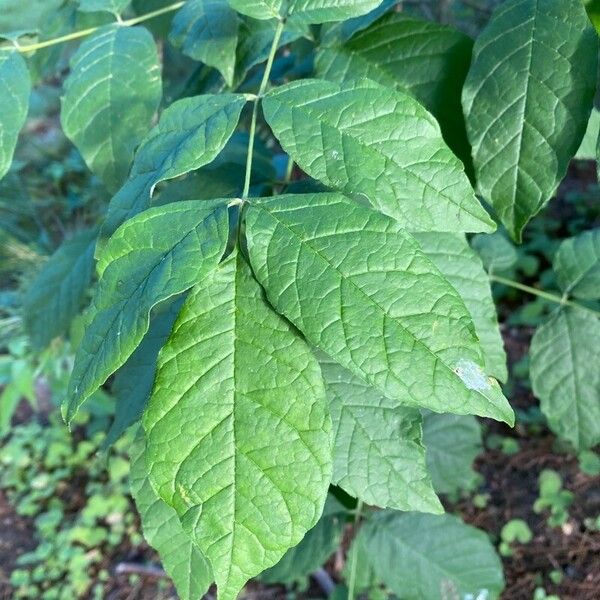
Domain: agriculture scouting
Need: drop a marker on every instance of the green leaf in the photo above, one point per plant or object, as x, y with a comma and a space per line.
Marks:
56, 294
452, 443
461, 266
565, 377
527, 101
154, 256
587, 150
207, 31
425, 59
314, 549
111, 95
577, 265
361, 290
340, 32
189, 135
377, 451
497, 253
432, 556
113, 6
15, 87
305, 11
134, 380
361, 138
237, 427
180, 558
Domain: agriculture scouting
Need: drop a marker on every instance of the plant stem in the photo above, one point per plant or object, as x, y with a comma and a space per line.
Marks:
562, 300
74, 35
261, 91
353, 563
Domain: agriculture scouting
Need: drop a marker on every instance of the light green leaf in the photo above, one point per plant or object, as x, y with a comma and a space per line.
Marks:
332, 33
237, 427
452, 443
587, 150
111, 95
565, 355
427, 60
15, 87
377, 451
151, 258
461, 266
180, 558
314, 549
113, 6
56, 294
133, 382
527, 101
189, 135
207, 31
305, 11
432, 556
577, 265
379, 144
361, 290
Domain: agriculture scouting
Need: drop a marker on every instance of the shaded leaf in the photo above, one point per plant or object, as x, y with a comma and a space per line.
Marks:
237, 427
458, 559
587, 150
577, 265
55, 296
111, 95
180, 558
565, 377
361, 290
377, 451
154, 256
377, 143
15, 87
452, 443
497, 253
113, 6
207, 31
527, 100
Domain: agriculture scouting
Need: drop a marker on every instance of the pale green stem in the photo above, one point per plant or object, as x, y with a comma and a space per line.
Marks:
353, 559
85, 32
562, 300
261, 91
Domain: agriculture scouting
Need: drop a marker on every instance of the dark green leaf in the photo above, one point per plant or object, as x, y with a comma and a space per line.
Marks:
577, 265
527, 101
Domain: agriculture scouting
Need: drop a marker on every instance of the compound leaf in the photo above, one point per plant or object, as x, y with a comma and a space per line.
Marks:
133, 382
56, 294
527, 100
361, 290
305, 11
189, 135
180, 558
111, 95
207, 31
577, 265
452, 443
457, 559
371, 141
152, 257
15, 87
565, 377
239, 436
428, 60
461, 266
377, 451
